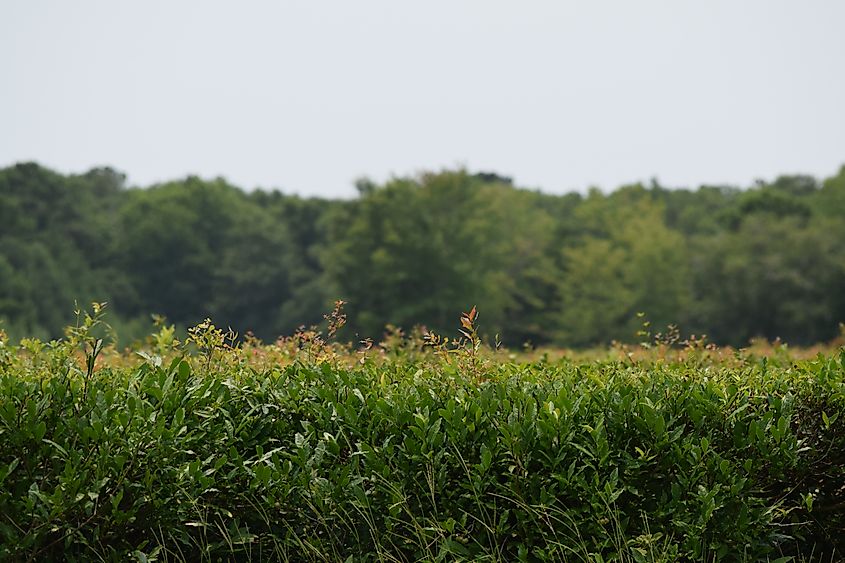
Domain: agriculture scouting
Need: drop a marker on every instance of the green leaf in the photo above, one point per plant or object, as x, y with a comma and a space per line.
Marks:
39, 430
486, 457
184, 370
8, 469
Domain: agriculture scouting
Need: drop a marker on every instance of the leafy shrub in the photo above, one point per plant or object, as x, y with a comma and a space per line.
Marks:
212, 455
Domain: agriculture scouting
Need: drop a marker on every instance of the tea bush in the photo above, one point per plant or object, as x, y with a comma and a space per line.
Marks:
219, 456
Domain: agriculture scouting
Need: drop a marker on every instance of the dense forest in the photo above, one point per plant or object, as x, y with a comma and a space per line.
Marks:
571, 270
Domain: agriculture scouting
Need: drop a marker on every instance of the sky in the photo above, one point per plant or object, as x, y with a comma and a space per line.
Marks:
307, 97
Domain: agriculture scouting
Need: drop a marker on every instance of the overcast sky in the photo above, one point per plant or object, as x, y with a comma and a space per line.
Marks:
307, 96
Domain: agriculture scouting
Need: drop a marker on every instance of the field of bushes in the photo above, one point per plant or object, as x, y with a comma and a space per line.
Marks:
416, 449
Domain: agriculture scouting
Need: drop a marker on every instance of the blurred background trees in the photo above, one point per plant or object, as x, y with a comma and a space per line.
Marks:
568, 270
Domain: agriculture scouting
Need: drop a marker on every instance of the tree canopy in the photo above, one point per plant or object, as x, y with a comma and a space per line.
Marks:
569, 270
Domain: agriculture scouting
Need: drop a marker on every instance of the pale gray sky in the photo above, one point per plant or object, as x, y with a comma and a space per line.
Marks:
308, 95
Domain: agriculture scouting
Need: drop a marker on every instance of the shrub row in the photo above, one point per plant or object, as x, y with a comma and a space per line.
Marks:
408, 461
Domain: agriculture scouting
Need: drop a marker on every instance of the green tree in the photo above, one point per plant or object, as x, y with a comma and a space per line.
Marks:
422, 250
627, 261
770, 278
171, 238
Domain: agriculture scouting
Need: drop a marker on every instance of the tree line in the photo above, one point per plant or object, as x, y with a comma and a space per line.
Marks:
574, 270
